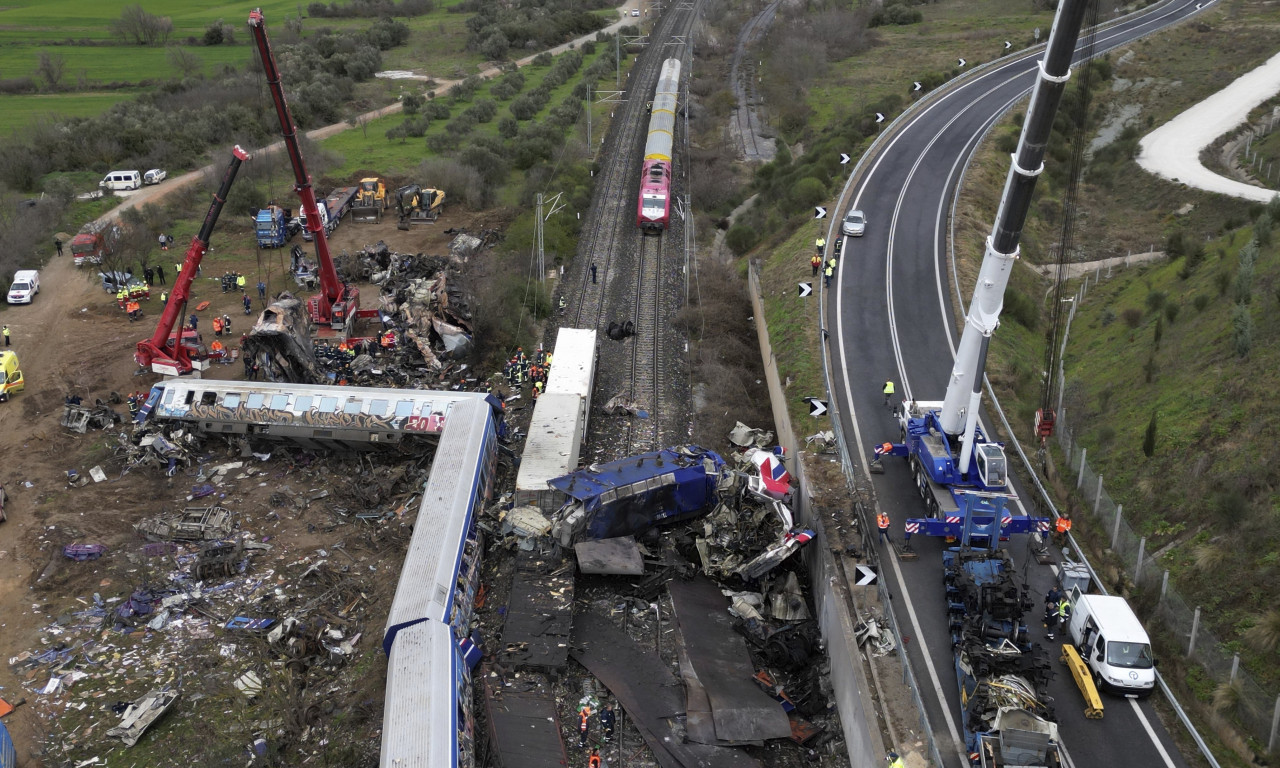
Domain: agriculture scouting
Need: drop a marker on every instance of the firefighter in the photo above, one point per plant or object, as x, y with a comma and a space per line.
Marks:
217, 326
882, 522
816, 262
226, 324
607, 720
839, 247
1051, 600
584, 721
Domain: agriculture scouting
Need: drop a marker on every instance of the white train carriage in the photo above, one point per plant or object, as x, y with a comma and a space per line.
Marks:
313, 415
558, 427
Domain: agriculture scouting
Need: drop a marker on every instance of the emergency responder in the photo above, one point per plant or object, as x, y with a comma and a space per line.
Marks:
826, 276
240, 282
820, 244
1051, 600
244, 299
217, 326
194, 322
538, 386
226, 324
888, 392
894, 761
262, 290
5, 331
217, 350
584, 720
882, 522
164, 298
388, 339
135, 310
839, 247
816, 263
563, 303
607, 720
1061, 528
594, 761
1061, 614
548, 361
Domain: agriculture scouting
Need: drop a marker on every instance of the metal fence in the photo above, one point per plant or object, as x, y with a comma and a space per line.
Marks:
1257, 710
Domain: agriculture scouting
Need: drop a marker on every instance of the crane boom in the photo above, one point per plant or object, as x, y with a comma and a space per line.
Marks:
336, 303
964, 391
162, 352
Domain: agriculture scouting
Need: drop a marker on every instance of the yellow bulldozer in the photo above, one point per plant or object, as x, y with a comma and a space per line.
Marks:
418, 205
370, 201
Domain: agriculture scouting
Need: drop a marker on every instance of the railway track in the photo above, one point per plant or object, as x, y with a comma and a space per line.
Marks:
746, 121
647, 364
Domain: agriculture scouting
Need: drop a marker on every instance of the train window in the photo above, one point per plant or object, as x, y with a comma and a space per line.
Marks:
328, 404
353, 406
378, 407
404, 408
168, 396
303, 403
255, 400
190, 398
232, 400
208, 398
279, 402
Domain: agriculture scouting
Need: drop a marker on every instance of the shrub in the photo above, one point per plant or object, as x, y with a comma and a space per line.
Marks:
1200, 302
808, 192
435, 110
1149, 439
412, 103
508, 127
542, 60
1131, 317
741, 238
1242, 329
1022, 308
1171, 311
1155, 300
1262, 229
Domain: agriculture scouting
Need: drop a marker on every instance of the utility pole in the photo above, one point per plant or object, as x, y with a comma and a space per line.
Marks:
589, 119
617, 59
542, 261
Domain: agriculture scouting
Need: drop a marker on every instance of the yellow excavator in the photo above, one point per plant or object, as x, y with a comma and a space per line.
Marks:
371, 200
418, 205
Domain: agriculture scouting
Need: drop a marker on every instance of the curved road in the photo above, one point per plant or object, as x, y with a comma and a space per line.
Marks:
891, 316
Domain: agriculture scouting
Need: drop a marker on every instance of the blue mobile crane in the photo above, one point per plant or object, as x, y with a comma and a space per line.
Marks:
958, 469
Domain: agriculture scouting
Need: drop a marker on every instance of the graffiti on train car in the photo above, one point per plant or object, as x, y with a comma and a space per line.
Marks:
319, 419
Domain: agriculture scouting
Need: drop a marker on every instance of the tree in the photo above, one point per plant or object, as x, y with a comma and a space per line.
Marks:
185, 61
412, 103
50, 67
1149, 440
137, 26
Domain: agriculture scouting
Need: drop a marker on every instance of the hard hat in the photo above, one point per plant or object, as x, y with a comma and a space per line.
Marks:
893, 756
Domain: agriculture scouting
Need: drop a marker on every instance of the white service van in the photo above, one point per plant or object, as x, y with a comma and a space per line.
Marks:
1112, 643
26, 284
118, 180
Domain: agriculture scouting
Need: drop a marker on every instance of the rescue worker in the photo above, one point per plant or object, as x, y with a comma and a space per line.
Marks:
607, 720
244, 299
262, 290
584, 720
240, 282
1051, 600
133, 404
826, 276
388, 339
164, 298
884, 449
135, 311
594, 761
194, 322
216, 349
816, 262
5, 331
226, 324
548, 361
160, 274
894, 761
882, 522
538, 386
563, 303
1061, 614
121, 298
217, 326
1062, 527
839, 247
888, 392
820, 244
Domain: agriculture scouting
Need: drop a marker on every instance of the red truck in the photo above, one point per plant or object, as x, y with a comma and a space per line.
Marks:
89, 246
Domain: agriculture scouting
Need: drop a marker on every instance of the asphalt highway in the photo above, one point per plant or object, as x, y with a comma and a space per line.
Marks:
890, 314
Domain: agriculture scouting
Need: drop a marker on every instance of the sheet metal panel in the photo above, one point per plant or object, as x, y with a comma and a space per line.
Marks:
551, 450
573, 363
445, 516
420, 717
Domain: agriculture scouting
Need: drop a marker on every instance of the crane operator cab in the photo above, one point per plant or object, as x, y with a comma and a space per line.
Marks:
991, 464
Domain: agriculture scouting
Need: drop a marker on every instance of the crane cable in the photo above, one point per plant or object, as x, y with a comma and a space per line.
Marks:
1080, 120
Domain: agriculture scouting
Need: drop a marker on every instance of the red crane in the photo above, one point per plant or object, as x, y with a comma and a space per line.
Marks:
337, 304
165, 352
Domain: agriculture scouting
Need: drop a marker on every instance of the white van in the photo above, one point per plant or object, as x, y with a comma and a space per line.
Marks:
26, 284
117, 180
1112, 643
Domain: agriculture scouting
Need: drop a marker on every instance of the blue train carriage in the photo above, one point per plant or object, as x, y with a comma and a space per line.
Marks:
431, 650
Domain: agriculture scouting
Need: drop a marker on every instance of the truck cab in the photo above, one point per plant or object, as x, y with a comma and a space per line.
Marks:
12, 381
324, 220
1113, 643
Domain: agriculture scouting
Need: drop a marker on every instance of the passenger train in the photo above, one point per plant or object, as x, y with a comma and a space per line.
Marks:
352, 417
428, 720
655, 181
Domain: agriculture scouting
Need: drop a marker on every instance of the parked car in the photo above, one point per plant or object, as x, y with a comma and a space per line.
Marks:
121, 180
154, 176
114, 281
635, 11
854, 224
26, 284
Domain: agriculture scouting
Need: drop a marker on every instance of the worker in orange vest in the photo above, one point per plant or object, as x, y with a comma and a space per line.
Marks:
1063, 527
882, 522
594, 761
217, 326
135, 310
584, 719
